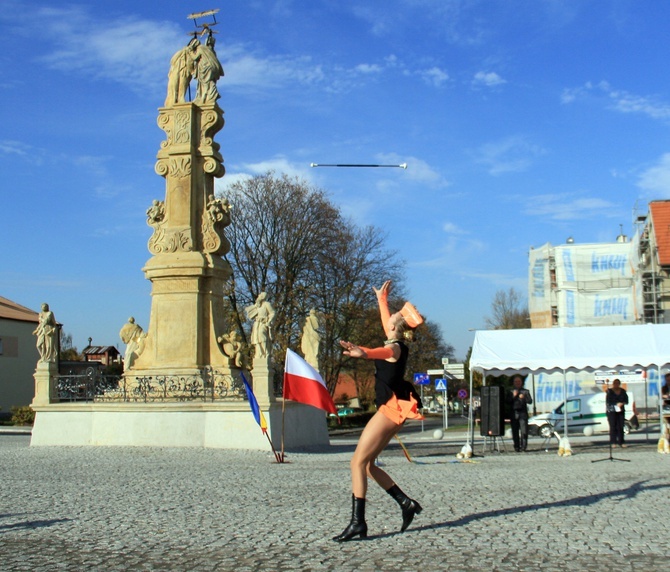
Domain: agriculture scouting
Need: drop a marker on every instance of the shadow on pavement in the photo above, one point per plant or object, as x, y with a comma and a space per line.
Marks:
28, 524
628, 492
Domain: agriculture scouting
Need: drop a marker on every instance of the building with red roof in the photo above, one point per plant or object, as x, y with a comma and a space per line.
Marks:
654, 254
18, 355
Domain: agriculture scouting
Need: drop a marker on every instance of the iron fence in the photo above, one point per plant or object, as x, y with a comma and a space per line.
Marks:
205, 385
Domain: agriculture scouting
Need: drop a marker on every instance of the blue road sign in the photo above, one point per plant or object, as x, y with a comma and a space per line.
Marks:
421, 379
441, 384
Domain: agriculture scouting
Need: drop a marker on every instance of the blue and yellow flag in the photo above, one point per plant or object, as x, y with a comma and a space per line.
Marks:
258, 414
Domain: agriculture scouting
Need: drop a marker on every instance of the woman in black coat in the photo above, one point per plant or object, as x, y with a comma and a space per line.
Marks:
616, 401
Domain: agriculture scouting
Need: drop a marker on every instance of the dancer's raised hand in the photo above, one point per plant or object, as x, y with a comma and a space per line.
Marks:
383, 292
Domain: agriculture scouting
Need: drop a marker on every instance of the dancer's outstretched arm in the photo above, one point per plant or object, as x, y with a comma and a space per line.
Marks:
390, 352
382, 300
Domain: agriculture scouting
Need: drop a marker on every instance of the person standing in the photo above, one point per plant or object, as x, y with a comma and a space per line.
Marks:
396, 401
616, 401
519, 400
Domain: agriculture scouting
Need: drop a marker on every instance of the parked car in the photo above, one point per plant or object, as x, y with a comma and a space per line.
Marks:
344, 411
583, 410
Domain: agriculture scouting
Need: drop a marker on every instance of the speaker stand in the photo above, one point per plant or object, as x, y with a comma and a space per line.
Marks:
611, 458
496, 441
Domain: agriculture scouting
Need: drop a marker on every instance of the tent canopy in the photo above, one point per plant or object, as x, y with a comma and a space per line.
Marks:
553, 349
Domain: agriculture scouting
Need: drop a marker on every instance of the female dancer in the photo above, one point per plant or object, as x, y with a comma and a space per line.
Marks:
396, 401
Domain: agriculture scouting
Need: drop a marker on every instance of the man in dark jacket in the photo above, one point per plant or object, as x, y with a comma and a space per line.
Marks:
519, 400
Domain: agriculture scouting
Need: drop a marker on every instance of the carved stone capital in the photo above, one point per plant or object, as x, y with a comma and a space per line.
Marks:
170, 239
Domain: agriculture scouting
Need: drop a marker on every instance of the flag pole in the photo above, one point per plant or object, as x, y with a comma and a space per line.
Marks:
283, 407
274, 451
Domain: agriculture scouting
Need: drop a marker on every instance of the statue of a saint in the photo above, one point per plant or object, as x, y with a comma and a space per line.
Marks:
233, 348
208, 70
182, 68
262, 313
47, 335
133, 336
311, 338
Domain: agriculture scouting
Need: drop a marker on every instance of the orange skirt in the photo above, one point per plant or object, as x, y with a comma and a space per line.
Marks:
398, 410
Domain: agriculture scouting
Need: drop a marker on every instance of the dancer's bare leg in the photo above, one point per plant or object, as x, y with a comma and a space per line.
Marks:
376, 435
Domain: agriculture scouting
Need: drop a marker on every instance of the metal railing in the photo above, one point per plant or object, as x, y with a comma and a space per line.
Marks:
205, 385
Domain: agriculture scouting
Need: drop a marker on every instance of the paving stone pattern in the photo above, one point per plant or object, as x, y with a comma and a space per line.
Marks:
70, 508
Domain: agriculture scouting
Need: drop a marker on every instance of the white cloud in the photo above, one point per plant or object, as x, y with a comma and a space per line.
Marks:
656, 179
504, 280
11, 147
567, 206
488, 79
418, 170
619, 100
135, 52
434, 76
451, 228
368, 68
128, 50
244, 68
279, 164
510, 155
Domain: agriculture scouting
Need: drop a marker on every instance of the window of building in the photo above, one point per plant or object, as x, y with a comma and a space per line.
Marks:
554, 315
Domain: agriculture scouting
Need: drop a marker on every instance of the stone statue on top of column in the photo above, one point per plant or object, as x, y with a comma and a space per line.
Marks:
182, 68
208, 70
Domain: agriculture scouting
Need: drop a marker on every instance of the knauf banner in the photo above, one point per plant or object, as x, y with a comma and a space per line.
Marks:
609, 263
615, 306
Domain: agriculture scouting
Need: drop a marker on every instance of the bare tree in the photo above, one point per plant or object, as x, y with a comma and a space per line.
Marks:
509, 311
289, 240
67, 352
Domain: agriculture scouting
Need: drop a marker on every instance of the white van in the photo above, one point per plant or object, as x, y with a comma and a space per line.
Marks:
583, 410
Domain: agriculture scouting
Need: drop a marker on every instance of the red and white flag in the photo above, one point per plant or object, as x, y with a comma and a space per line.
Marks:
303, 383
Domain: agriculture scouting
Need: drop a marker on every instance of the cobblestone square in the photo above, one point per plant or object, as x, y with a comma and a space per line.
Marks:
208, 509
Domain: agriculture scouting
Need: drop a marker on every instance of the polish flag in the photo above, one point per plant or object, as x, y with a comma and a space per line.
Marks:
303, 383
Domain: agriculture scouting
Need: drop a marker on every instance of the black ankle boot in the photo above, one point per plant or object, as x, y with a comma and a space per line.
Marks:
357, 526
409, 506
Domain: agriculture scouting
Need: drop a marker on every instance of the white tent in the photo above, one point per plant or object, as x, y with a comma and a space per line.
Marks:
570, 349
564, 349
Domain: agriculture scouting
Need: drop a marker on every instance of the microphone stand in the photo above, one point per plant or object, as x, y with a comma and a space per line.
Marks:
610, 458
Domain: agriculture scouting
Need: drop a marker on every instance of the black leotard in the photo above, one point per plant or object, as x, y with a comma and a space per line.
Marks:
389, 379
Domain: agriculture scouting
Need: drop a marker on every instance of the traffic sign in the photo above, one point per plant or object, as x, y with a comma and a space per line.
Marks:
462, 394
441, 384
421, 379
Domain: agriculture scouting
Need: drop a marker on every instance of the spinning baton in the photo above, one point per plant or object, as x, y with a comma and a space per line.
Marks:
401, 166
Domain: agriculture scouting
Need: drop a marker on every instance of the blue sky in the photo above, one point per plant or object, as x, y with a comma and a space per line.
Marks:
521, 121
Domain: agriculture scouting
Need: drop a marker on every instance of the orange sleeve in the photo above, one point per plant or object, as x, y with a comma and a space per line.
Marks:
384, 313
378, 353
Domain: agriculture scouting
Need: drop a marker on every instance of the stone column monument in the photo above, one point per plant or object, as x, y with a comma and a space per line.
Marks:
181, 383
186, 270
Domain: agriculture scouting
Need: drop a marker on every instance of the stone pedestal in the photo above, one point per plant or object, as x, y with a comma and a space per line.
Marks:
45, 388
186, 270
225, 425
262, 375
